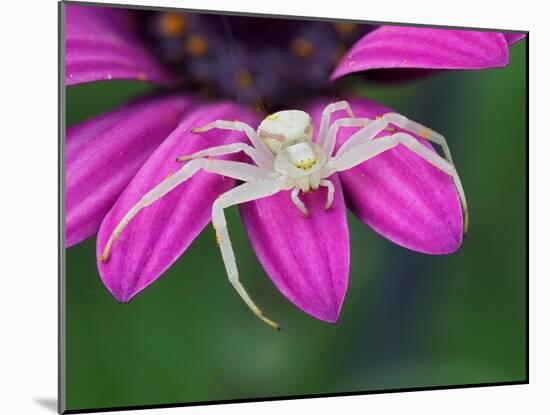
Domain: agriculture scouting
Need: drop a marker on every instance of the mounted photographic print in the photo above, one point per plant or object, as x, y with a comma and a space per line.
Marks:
261, 207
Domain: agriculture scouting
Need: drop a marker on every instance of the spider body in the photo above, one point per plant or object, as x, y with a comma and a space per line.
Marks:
286, 158
286, 128
303, 164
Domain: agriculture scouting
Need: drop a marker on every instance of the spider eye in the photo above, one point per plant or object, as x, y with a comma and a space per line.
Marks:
302, 155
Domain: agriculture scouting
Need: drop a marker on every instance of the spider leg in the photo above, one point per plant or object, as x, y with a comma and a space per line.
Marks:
363, 135
244, 193
330, 195
236, 170
299, 204
418, 129
330, 139
325, 118
230, 149
370, 149
260, 146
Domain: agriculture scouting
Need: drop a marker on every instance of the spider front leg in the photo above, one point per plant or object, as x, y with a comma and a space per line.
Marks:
265, 156
233, 169
325, 118
244, 193
363, 152
330, 140
230, 149
420, 130
401, 121
363, 135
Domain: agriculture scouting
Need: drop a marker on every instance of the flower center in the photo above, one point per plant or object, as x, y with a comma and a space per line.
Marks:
265, 62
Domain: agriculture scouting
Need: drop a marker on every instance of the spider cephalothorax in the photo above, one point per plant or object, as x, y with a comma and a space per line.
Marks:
286, 158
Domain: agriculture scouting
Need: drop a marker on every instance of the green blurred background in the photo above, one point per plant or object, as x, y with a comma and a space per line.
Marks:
409, 320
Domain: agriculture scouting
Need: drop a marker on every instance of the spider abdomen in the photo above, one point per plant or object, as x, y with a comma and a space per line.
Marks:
285, 128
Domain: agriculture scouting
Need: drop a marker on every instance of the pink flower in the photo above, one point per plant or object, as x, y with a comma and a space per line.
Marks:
117, 157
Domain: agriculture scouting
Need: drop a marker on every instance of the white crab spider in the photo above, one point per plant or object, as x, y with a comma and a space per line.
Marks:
286, 158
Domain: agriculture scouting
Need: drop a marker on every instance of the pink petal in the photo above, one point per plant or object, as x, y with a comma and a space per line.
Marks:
416, 47
513, 37
398, 194
307, 258
102, 44
104, 153
160, 233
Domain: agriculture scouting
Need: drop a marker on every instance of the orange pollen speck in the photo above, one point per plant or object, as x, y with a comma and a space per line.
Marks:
141, 76
302, 48
172, 24
243, 79
258, 107
338, 55
196, 45
345, 28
